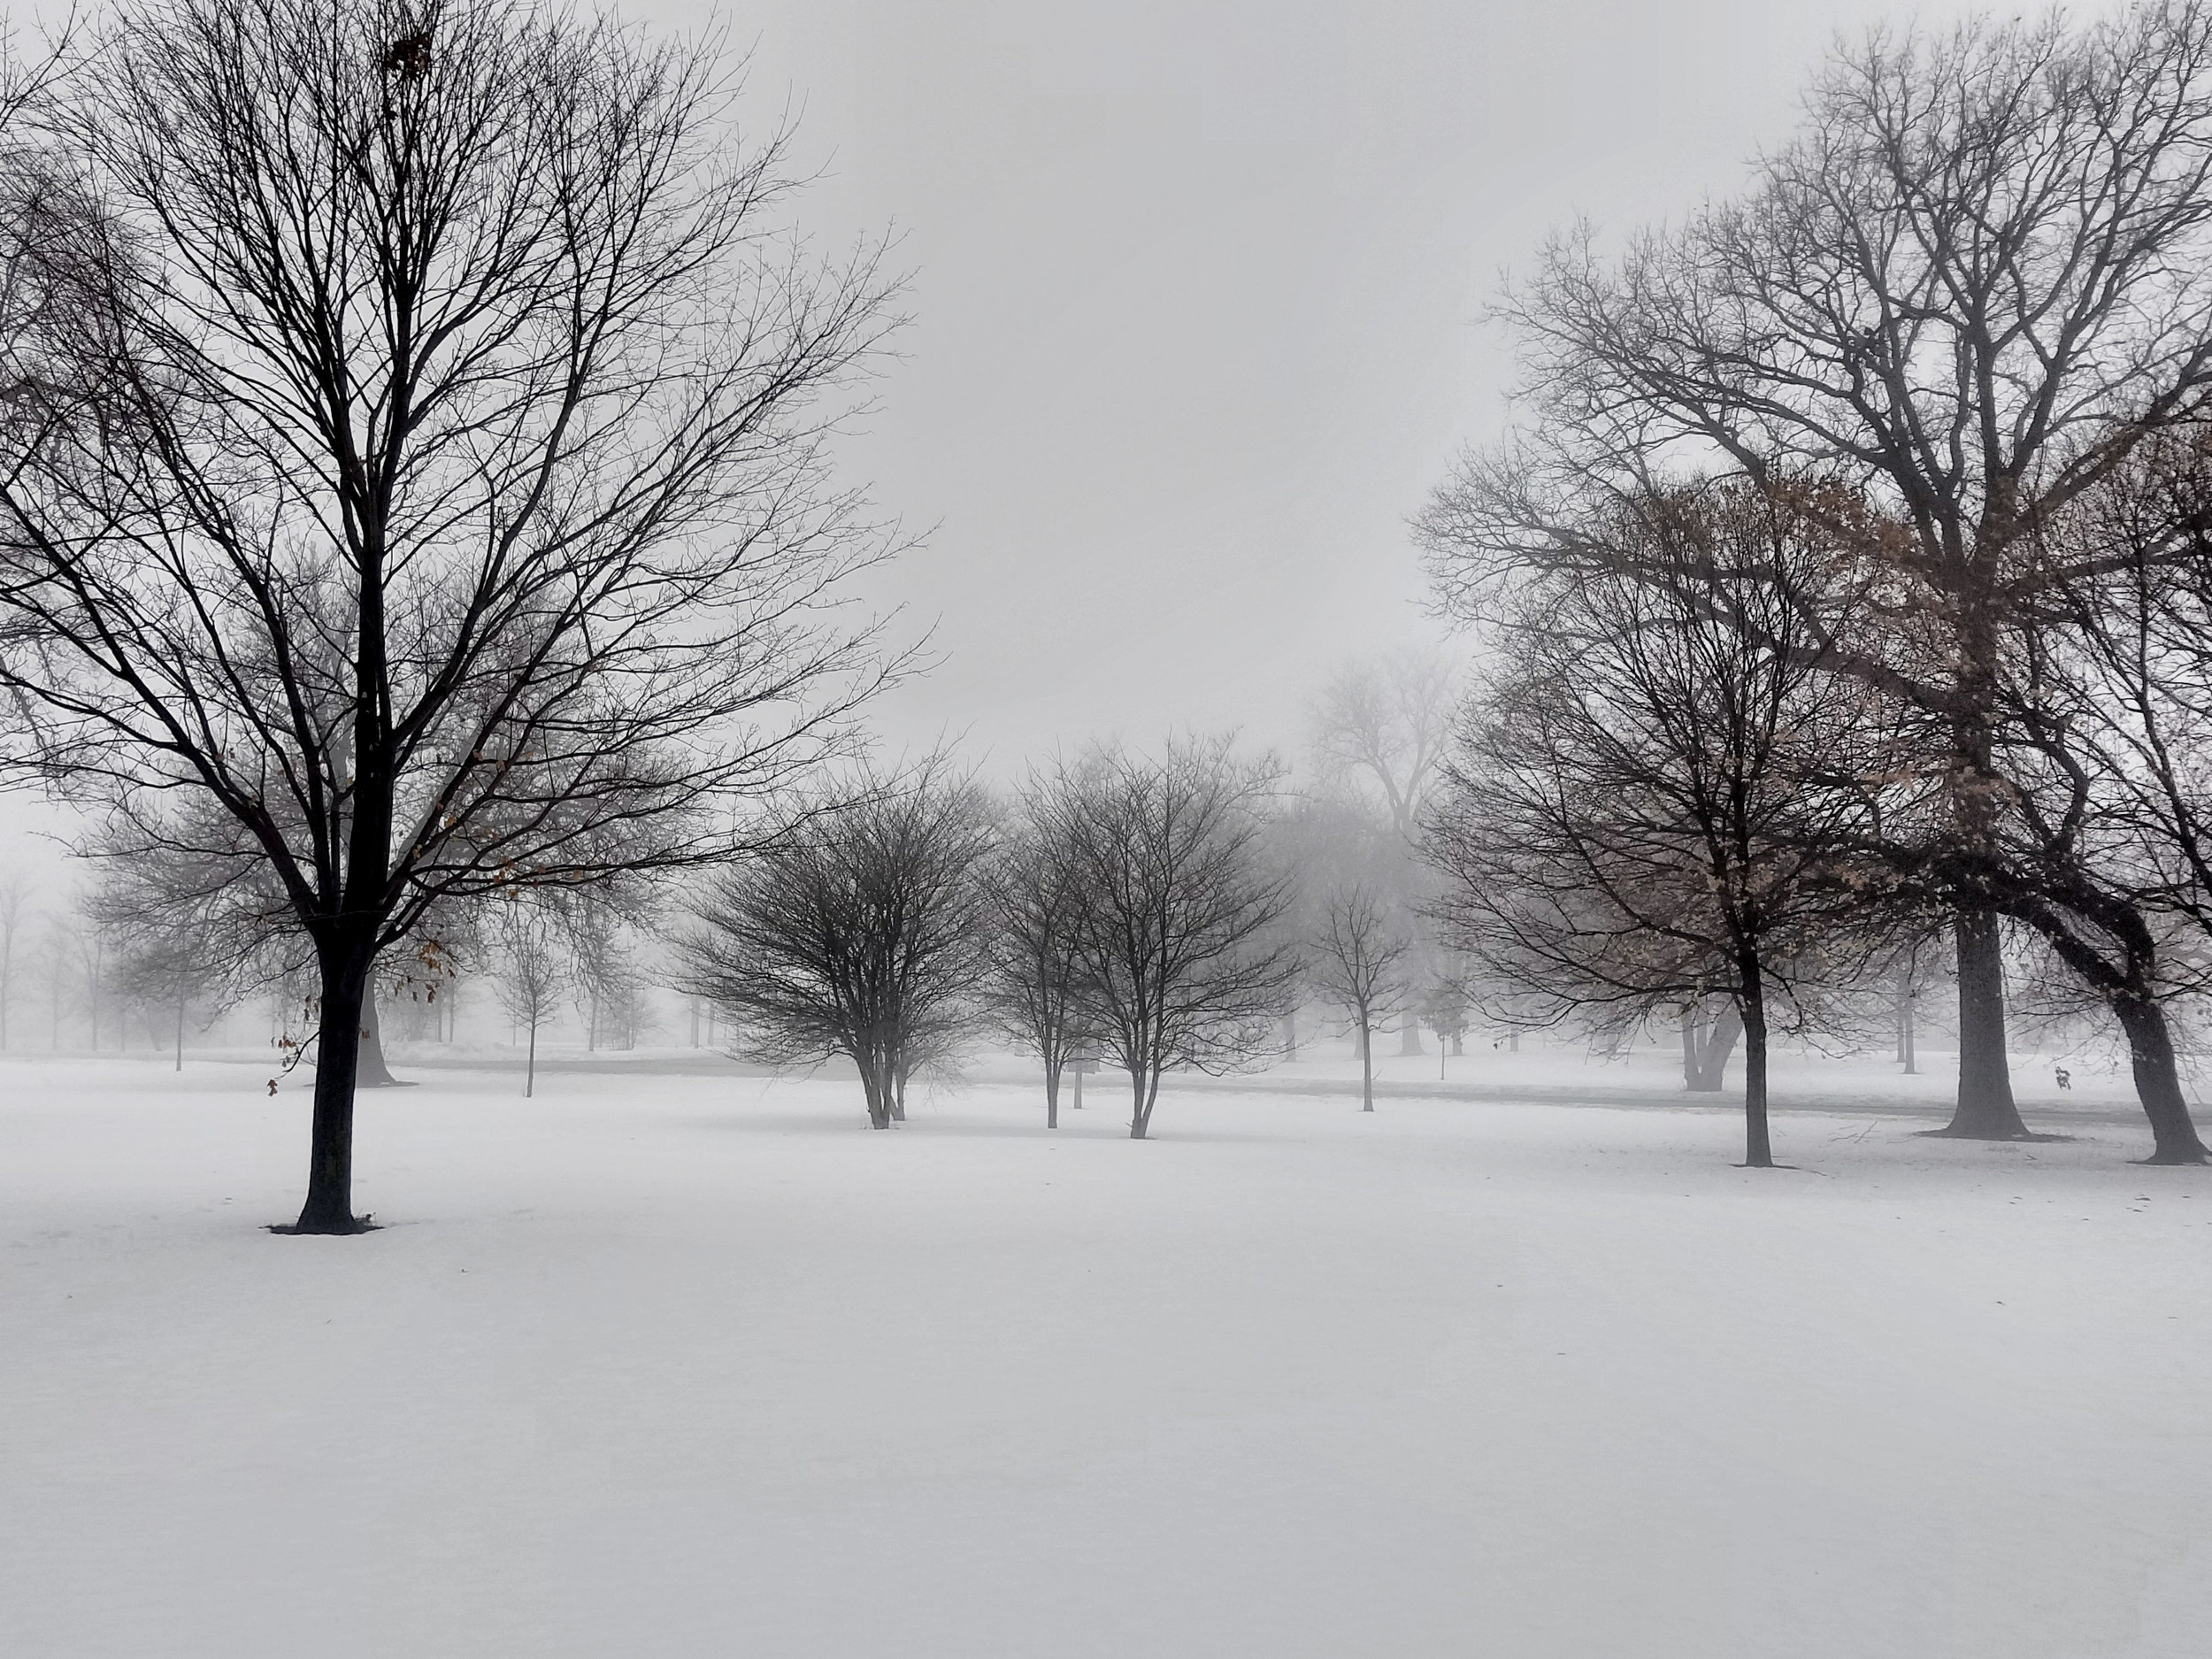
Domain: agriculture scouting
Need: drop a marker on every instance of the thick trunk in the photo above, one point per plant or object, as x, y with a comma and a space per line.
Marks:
1366, 1069
1409, 1036
1144, 1085
373, 1073
1052, 1093
1715, 1043
329, 1206
1758, 1151
2158, 1084
875, 1083
1985, 1109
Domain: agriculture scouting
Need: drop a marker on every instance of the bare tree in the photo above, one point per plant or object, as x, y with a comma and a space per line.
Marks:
1178, 958
1977, 278
608, 984
1383, 727
2105, 753
862, 930
533, 971
1037, 908
1356, 955
434, 491
1649, 810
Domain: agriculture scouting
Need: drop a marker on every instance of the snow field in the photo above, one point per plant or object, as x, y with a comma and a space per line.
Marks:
690, 1364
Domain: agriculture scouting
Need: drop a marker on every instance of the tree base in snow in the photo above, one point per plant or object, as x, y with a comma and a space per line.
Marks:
345, 1229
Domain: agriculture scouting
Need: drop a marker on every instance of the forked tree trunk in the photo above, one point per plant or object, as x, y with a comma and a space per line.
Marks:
329, 1206
875, 1083
1144, 1084
1985, 1109
2158, 1084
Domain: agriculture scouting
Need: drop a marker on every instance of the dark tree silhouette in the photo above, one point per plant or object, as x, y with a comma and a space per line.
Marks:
863, 930
1648, 810
426, 499
1037, 907
1178, 958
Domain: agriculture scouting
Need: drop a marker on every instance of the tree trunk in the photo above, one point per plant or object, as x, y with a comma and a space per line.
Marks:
2158, 1084
1409, 1036
1905, 1031
329, 1206
875, 1083
374, 1074
1366, 1068
1758, 1151
1141, 1115
898, 1093
1985, 1109
1052, 1093
1689, 1047
530, 1064
1714, 1044
180, 1033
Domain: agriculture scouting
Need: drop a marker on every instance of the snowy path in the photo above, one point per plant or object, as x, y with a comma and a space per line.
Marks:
676, 1365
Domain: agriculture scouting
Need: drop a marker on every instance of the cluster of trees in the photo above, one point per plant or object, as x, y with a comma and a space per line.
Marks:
1153, 912
1119, 905
1848, 579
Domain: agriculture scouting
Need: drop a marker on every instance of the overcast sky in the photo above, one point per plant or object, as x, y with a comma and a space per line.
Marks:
1197, 296
1197, 293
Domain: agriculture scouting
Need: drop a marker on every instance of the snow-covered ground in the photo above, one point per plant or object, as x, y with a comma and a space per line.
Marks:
673, 1364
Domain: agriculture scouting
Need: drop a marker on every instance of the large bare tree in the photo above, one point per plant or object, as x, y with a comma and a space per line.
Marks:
429, 498
1978, 277
1648, 812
